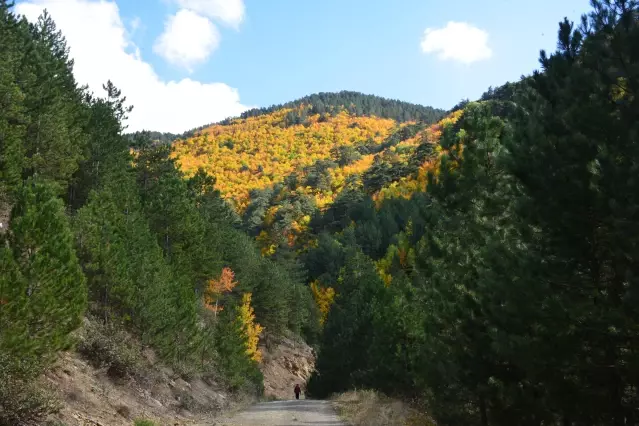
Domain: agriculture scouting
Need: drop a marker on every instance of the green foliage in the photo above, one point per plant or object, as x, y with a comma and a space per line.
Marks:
23, 398
42, 299
156, 138
240, 373
347, 330
54, 136
41, 277
358, 104
109, 346
518, 305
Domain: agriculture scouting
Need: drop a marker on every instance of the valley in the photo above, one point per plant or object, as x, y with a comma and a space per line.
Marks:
404, 264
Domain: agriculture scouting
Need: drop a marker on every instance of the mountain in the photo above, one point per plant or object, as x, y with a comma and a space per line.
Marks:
304, 138
481, 264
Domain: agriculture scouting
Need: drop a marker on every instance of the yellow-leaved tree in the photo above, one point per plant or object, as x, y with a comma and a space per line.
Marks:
324, 297
250, 328
216, 288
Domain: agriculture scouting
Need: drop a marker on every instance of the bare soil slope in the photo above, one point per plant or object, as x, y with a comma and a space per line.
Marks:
90, 397
286, 361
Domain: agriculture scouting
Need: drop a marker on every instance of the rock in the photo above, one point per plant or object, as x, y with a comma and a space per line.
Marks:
287, 361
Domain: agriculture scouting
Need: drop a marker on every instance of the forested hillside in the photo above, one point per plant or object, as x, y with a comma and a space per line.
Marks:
506, 292
309, 136
483, 266
479, 263
119, 237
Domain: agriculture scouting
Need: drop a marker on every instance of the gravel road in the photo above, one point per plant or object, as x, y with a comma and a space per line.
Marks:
287, 413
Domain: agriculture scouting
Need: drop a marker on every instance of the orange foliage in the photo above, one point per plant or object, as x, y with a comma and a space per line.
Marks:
216, 288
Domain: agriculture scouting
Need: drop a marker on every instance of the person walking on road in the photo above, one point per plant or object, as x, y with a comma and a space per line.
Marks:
297, 391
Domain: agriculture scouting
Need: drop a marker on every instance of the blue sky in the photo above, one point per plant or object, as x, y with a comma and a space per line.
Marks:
241, 53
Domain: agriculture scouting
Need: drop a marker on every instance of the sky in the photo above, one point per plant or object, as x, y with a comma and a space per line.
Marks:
186, 63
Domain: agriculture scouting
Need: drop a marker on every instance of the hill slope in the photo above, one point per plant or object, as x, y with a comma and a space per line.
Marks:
264, 146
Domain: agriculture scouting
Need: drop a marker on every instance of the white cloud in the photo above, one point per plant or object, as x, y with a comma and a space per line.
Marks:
99, 44
188, 39
457, 41
228, 11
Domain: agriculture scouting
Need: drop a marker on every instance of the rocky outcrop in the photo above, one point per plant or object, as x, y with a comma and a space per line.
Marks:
286, 361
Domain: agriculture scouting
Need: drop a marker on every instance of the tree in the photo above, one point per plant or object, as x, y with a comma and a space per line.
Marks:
217, 287
324, 297
346, 339
583, 124
250, 329
54, 139
43, 289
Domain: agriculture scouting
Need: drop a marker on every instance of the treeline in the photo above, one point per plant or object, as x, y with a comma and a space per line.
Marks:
358, 104
123, 238
158, 138
507, 293
330, 103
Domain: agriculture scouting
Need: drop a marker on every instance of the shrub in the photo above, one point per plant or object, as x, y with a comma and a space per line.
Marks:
370, 408
109, 346
23, 399
141, 422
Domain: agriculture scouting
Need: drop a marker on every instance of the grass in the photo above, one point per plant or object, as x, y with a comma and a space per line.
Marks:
140, 422
370, 408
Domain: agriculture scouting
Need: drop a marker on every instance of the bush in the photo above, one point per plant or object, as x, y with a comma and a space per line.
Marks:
187, 369
23, 398
141, 422
187, 402
109, 346
370, 408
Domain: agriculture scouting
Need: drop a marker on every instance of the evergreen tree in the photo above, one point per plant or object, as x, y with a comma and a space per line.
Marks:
346, 337
13, 34
54, 140
584, 126
43, 290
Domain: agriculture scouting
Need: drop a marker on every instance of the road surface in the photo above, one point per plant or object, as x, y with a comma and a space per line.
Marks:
305, 412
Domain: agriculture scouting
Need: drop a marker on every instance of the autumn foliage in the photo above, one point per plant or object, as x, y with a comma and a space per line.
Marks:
250, 328
216, 287
280, 168
257, 152
324, 297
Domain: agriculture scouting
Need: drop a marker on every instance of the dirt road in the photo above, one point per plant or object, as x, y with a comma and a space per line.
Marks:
305, 412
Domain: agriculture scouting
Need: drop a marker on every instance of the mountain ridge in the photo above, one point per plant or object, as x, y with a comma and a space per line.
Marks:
361, 104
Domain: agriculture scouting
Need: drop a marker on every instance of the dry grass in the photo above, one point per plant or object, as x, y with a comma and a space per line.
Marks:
369, 408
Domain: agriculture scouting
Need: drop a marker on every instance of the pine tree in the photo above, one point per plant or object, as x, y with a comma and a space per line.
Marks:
12, 99
584, 126
43, 290
55, 139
